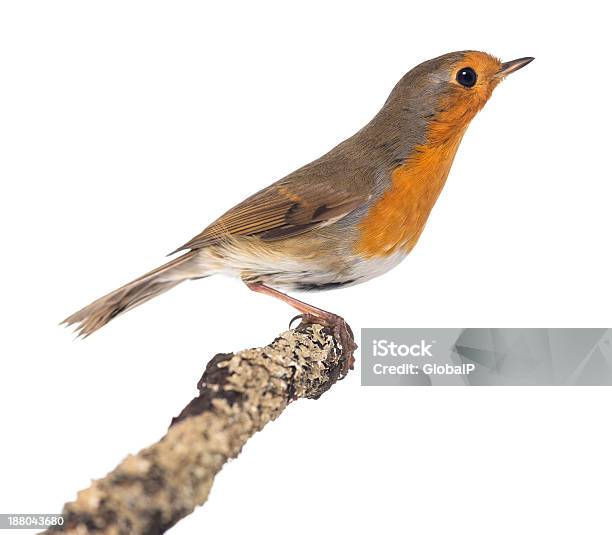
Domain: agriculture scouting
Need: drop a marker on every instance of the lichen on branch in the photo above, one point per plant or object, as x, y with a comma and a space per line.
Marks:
239, 393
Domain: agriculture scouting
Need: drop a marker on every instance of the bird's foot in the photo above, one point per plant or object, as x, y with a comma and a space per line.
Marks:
311, 314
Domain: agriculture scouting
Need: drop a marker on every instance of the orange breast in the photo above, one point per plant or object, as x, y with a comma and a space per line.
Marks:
396, 221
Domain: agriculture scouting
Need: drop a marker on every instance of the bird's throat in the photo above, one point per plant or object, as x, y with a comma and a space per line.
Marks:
395, 222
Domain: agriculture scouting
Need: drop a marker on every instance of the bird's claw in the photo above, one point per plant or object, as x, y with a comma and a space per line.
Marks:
298, 317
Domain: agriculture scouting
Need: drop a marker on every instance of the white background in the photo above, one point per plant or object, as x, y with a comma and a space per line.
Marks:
126, 127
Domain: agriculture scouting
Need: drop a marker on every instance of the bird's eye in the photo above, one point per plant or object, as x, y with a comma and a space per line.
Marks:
467, 77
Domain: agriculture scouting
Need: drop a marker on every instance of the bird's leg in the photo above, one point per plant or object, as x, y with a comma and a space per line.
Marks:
311, 314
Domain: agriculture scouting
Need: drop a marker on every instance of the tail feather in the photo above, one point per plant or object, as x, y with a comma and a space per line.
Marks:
160, 280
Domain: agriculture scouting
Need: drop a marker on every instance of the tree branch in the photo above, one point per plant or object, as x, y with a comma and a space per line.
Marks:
239, 394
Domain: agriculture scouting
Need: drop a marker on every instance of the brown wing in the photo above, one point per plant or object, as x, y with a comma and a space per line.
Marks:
284, 209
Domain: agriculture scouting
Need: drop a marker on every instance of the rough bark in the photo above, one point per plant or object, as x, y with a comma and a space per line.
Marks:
239, 393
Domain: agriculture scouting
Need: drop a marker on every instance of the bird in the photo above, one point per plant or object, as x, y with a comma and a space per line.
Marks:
347, 217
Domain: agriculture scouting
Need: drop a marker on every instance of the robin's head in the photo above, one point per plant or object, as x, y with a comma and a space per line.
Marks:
444, 94
466, 80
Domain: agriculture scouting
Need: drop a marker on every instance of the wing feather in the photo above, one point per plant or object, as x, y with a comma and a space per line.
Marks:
281, 210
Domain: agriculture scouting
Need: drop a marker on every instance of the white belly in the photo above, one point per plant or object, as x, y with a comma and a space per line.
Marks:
280, 271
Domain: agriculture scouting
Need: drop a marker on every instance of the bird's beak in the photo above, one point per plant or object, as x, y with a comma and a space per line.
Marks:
514, 65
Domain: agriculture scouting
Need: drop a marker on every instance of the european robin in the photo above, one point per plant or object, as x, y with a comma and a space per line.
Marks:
344, 218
